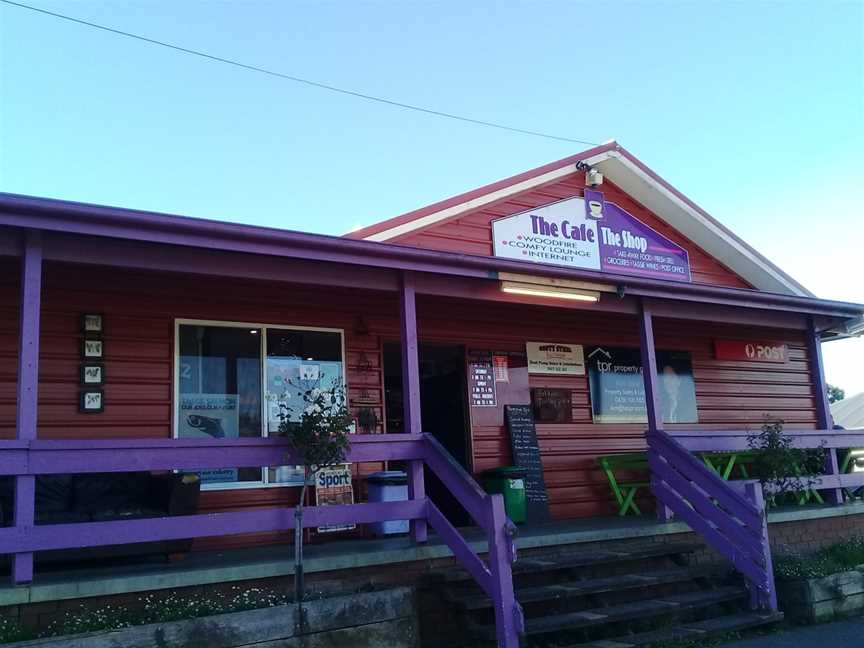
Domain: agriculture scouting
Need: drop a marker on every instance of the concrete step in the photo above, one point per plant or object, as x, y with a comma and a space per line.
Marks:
624, 612
476, 600
613, 554
695, 630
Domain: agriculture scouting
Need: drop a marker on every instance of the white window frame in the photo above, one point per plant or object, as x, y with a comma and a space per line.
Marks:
262, 327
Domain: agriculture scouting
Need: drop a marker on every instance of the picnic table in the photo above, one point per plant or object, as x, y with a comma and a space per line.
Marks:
625, 474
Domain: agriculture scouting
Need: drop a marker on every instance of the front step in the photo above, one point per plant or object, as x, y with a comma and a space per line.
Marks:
474, 600
632, 611
696, 630
590, 558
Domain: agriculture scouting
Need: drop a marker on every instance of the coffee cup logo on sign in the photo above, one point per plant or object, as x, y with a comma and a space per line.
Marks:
595, 209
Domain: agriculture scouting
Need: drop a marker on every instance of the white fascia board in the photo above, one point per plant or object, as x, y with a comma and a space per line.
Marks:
480, 201
705, 233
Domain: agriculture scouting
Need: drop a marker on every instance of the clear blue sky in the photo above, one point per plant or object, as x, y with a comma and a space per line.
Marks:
755, 110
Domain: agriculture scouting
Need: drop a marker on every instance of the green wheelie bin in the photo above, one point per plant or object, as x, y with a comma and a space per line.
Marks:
509, 481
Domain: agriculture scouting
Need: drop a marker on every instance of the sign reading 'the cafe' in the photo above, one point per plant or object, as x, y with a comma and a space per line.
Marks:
592, 234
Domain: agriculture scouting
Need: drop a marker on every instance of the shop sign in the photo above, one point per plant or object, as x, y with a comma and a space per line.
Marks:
556, 358
751, 351
618, 390
333, 486
592, 234
552, 405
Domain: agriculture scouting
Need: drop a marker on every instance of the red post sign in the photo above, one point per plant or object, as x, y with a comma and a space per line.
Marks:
751, 350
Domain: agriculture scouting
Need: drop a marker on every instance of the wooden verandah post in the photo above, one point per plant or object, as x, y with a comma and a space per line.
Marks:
820, 394
28, 387
649, 378
411, 391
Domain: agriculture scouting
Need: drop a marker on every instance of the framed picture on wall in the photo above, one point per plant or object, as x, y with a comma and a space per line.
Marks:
92, 401
92, 373
91, 323
92, 348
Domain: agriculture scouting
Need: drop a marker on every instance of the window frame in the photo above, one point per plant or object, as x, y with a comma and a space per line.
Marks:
262, 327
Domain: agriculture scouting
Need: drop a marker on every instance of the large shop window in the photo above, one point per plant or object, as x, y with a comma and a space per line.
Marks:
231, 378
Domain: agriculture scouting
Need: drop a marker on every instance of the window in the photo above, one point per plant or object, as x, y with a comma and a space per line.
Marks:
231, 377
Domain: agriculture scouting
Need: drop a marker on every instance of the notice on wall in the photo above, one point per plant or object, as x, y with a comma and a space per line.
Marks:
555, 358
751, 351
589, 233
333, 486
501, 368
552, 405
618, 390
481, 381
526, 454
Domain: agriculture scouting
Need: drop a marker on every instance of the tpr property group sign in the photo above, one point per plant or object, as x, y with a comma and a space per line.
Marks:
592, 234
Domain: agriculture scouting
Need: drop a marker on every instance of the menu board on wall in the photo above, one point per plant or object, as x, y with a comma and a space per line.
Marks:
618, 390
481, 381
526, 454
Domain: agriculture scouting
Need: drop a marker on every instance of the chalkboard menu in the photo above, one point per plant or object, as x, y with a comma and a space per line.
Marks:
526, 454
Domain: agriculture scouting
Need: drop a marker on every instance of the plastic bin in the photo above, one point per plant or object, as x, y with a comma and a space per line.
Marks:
509, 481
388, 486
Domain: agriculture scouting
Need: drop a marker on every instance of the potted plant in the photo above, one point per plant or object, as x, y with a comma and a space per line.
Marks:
317, 431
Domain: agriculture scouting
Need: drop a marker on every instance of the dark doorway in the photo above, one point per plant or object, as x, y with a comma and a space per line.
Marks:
443, 408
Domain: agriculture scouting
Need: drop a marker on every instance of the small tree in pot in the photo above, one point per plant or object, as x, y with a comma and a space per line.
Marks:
317, 432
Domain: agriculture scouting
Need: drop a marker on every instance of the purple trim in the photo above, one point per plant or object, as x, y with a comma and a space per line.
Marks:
649, 369
96, 534
820, 394
509, 622
732, 440
28, 391
461, 549
411, 391
60, 216
758, 598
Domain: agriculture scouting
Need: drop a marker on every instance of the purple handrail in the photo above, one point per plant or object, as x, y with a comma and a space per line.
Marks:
733, 523
37, 457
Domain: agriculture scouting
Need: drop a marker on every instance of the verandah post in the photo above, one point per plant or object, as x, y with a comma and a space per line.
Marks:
823, 412
649, 378
411, 392
508, 614
762, 599
28, 386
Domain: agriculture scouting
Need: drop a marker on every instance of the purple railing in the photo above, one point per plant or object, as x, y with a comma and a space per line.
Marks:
732, 522
730, 515
38, 457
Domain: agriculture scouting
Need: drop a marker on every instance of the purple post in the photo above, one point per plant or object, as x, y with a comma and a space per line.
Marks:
766, 599
508, 614
652, 392
28, 387
823, 412
411, 392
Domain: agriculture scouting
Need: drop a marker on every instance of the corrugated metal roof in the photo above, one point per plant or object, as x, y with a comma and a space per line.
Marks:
849, 412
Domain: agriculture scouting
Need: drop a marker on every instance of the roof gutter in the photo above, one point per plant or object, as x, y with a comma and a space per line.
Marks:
59, 216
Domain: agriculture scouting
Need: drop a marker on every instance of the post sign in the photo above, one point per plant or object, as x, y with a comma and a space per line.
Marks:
618, 390
751, 351
592, 234
556, 358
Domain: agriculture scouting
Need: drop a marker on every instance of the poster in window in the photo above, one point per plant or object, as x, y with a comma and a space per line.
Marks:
618, 390
287, 377
552, 405
208, 416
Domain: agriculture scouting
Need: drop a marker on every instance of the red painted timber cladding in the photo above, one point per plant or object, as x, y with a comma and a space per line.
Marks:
471, 232
140, 309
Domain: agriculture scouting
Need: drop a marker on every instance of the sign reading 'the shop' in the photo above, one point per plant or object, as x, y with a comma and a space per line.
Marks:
592, 234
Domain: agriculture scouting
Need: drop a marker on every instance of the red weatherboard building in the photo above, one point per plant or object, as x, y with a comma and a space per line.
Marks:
535, 291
